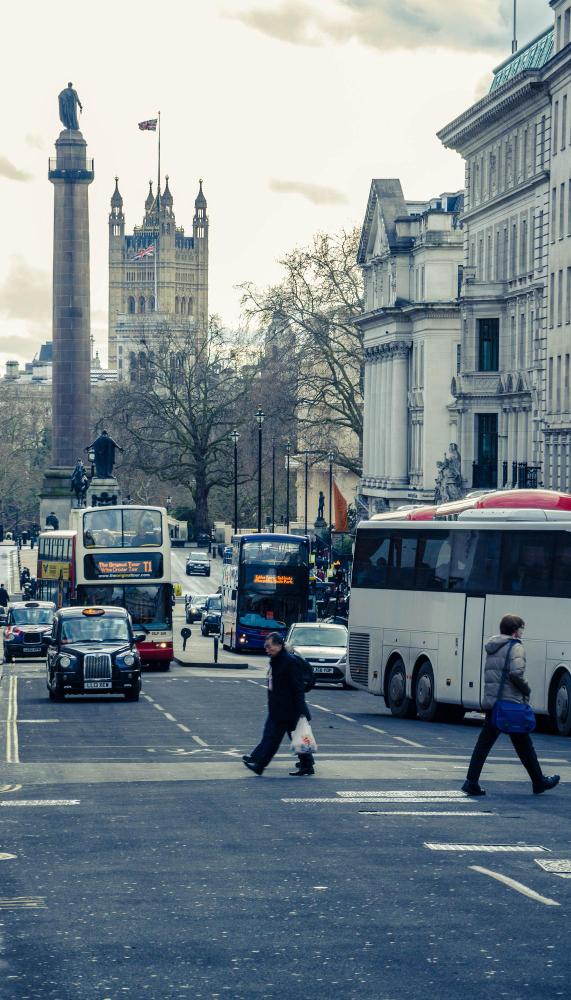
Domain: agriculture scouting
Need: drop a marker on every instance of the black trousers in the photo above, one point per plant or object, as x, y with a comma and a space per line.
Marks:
269, 744
522, 744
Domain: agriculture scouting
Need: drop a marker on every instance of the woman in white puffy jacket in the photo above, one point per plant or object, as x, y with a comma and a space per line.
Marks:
501, 649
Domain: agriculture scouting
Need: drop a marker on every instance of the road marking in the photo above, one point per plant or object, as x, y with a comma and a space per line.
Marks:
490, 848
148, 696
23, 903
346, 717
171, 717
322, 708
160, 707
198, 740
375, 730
518, 886
407, 795
12, 754
420, 812
10, 788
411, 743
39, 802
386, 800
185, 729
8, 857
23, 721
555, 867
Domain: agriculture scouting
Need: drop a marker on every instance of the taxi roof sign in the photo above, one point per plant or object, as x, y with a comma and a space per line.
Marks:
93, 611
32, 604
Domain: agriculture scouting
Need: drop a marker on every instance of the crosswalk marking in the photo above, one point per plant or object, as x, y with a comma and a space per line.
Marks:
390, 794
422, 812
490, 848
39, 802
518, 886
366, 799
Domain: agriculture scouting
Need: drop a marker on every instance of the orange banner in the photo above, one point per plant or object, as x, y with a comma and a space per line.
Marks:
340, 509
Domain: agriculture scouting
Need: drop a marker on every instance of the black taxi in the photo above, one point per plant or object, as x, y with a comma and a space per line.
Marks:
93, 650
28, 626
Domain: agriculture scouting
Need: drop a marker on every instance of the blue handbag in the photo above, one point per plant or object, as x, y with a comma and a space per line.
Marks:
509, 716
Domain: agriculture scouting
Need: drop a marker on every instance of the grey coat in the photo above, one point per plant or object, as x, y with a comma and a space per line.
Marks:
516, 688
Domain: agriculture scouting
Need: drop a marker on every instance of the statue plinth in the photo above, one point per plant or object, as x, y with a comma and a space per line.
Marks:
320, 523
102, 492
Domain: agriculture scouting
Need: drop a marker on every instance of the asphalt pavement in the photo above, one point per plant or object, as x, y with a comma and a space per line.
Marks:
141, 859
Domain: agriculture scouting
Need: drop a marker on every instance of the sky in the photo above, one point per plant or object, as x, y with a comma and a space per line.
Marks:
286, 108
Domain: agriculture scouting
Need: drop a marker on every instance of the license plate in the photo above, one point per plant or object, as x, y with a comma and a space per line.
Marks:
97, 685
324, 670
32, 649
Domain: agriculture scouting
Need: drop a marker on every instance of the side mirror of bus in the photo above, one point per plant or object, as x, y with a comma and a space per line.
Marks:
139, 637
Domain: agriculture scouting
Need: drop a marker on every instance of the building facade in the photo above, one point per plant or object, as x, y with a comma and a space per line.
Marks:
164, 289
499, 389
412, 256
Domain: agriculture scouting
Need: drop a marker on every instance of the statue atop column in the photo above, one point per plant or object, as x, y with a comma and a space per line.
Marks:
68, 103
104, 448
321, 505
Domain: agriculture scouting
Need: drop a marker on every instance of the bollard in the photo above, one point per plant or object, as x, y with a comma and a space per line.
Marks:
215, 648
186, 634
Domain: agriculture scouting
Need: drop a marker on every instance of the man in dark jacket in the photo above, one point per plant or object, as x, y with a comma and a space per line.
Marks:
286, 704
4, 597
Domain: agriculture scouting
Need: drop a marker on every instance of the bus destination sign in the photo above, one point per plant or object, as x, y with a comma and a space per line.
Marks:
275, 579
146, 566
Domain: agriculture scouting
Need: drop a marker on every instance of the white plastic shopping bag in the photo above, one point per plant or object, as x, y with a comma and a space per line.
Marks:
302, 739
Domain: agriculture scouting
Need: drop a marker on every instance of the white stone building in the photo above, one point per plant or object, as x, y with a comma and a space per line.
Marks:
499, 390
412, 256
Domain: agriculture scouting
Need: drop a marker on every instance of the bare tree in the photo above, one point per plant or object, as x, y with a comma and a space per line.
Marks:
315, 306
25, 423
177, 412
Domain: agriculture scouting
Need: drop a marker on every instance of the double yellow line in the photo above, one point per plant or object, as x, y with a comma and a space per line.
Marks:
12, 754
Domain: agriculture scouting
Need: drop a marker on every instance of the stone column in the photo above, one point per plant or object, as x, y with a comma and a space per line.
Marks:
367, 418
388, 412
376, 412
382, 429
399, 413
70, 173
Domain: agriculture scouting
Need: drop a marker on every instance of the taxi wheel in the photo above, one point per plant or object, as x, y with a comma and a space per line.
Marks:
133, 695
7, 657
56, 691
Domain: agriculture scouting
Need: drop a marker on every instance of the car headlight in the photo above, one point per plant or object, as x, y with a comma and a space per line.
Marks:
66, 661
127, 660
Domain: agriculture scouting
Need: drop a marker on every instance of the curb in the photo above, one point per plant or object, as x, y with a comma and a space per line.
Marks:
216, 666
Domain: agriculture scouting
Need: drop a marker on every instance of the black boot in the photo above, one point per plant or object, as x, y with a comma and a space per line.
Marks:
301, 772
253, 767
472, 788
546, 784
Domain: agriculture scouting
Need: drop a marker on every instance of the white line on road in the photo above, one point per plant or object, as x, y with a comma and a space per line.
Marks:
490, 848
518, 886
39, 802
171, 717
198, 740
12, 754
411, 743
365, 800
160, 707
185, 729
420, 812
375, 730
323, 709
148, 697
408, 795
346, 717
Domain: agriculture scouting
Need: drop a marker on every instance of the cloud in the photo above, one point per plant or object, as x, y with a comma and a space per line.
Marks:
35, 140
317, 194
480, 25
13, 173
26, 294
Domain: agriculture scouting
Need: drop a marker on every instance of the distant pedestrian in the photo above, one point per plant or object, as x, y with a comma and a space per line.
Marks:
52, 520
4, 596
506, 648
286, 705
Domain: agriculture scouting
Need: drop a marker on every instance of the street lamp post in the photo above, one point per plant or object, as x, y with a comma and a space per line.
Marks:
260, 418
305, 505
330, 457
288, 449
91, 457
169, 504
273, 485
235, 437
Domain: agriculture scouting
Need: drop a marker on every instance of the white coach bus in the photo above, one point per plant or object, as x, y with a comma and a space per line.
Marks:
426, 596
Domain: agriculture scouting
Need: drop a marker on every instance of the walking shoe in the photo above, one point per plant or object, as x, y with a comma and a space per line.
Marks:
473, 788
253, 767
301, 771
546, 784
248, 759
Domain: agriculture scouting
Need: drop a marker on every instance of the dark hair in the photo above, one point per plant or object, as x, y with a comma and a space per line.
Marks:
510, 624
276, 638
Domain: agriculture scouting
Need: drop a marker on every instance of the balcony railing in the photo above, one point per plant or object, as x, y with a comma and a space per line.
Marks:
523, 476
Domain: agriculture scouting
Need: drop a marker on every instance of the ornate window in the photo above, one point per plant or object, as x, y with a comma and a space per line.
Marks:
141, 305
131, 305
176, 304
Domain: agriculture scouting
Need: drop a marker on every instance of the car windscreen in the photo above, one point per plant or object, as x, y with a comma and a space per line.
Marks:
214, 604
32, 616
198, 557
318, 637
97, 629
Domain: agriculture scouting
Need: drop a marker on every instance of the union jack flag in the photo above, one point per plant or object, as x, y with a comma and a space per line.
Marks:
144, 253
150, 126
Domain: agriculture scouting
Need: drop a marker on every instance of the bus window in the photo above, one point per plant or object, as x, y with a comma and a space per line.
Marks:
141, 527
561, 576
526, 562
401, 562
482, 561
102, 528
275, 553
433, 561
371, 559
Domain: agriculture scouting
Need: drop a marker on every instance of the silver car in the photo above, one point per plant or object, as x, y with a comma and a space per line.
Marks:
324, 645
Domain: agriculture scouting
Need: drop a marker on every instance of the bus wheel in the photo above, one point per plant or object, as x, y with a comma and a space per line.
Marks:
400, 704
426, 705
563, 705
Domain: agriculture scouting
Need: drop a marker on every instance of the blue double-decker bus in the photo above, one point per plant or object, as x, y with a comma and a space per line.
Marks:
265, 587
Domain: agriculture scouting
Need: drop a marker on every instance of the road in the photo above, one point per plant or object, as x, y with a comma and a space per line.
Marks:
195, 584
141, 859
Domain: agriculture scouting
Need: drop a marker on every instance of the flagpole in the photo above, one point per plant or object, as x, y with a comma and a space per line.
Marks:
158, 213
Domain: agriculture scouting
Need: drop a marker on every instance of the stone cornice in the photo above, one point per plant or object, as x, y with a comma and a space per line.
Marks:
387, 351
408, 313
515, 192
489, 109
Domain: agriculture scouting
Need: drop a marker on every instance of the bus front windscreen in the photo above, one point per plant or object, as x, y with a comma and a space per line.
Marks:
273, 596
149, 607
